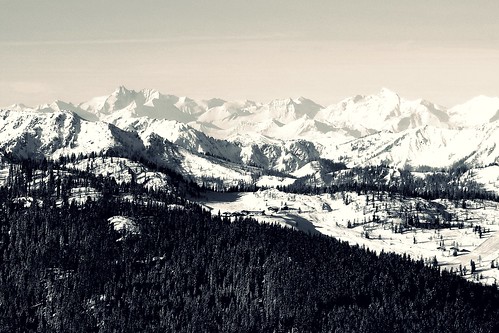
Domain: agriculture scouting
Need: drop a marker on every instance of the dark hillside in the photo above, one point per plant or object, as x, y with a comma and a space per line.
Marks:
66, 270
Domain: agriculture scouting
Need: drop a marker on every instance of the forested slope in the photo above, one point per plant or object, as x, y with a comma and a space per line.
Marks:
65, 269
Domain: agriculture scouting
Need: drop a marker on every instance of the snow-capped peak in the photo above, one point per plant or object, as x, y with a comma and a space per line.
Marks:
361, 129
477, 111
122, 90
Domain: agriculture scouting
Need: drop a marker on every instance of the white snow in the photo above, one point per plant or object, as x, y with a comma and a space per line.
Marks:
124, 224
475, 112
4, 174
273, 181
424, 146
488, 177
25, 201
308, 169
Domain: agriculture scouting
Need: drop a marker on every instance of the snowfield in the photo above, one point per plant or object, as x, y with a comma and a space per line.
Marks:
488, 177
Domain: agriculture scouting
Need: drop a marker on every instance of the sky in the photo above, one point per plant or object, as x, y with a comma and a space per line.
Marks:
444, 51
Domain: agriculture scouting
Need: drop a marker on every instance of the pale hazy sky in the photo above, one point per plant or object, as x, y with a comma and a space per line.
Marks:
446, 51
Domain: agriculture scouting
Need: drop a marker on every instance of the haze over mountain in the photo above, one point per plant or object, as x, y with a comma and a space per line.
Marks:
281, 135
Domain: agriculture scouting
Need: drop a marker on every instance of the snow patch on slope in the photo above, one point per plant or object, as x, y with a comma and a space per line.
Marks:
124, 224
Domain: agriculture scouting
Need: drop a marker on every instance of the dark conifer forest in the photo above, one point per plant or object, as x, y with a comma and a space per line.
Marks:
63, 268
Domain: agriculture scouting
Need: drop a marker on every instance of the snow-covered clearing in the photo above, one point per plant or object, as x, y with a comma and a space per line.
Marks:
274, 181
207, 170
488, 177
124, 224
348, 216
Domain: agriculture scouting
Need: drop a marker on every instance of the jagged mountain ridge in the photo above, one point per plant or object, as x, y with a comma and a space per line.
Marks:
32, 134
287, 134
423, 146
384, 111
358, 115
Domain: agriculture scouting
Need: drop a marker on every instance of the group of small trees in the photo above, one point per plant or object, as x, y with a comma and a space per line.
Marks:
379, 179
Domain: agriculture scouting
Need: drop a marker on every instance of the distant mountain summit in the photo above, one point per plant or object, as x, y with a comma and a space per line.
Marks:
145, 103
359, 115
383, 111
477, 111
283, 134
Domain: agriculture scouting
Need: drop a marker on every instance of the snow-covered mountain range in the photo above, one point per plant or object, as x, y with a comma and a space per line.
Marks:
239, 139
